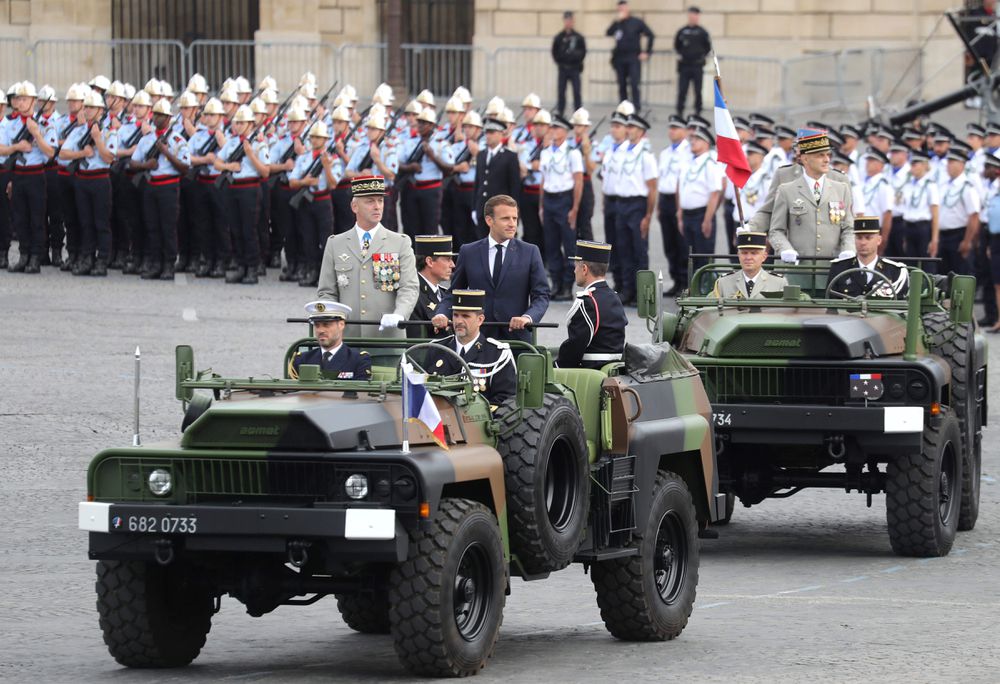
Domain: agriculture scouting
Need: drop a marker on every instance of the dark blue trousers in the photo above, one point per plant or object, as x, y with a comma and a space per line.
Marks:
632, 248
560, 238
951, 260
698, 243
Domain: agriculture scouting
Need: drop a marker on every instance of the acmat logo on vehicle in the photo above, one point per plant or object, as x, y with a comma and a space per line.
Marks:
260, 431
783, 342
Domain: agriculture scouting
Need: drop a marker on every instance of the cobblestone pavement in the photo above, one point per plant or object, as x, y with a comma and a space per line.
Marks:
798, 589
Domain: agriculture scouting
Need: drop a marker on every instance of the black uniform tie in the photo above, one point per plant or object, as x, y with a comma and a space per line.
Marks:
327, 357
749, 287
462, 352
497, 263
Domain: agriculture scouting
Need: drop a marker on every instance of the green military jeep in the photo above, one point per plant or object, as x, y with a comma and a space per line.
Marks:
813, 389
283, 491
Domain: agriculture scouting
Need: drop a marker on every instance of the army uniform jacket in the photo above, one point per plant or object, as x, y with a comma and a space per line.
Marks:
821, 229
857, 284
734, 285
595, 330
428, 302
382, 281
481, 357
761, 221
346, 364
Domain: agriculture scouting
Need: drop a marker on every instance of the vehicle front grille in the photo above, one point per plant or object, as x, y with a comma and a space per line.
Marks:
765, 384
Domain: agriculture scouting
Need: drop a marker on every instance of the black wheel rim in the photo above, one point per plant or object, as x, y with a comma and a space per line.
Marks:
473, 591
670, 557
948, 483
560, 484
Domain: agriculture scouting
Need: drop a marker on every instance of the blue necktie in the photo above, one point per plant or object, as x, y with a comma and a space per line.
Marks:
366, 242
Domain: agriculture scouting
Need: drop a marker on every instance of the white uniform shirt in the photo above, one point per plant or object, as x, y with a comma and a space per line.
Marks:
898, 178
558, 164
638, 168
918, 198
959, 201
697, 180
672, 158
989, 191
752, 195
773, 160
611, 167
877, 196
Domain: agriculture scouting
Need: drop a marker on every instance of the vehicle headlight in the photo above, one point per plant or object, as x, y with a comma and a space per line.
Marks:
160, 482
356, 486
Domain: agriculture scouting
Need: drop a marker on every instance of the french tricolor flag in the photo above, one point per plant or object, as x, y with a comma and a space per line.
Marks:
727, 141
420, 406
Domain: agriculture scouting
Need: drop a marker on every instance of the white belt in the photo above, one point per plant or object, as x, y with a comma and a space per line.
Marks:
602, 357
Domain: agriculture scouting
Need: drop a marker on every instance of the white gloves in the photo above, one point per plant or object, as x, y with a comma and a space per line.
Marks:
789, 256
846, 254
389, 320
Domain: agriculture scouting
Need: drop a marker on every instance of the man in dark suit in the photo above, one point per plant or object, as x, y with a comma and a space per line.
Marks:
491, 363
867, 238
595, 334
510, 271
497, 171
435, 263
334, 358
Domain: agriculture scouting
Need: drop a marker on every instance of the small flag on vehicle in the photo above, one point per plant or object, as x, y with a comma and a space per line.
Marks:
866, 386
420, 406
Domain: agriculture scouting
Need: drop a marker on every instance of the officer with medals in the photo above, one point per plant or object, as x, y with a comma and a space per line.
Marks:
370, 268
490, 361
596, 323
751, 281
334, 358
435, 263
867, 240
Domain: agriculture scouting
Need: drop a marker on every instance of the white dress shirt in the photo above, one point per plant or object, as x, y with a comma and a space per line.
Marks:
361, 234
558, 166
459, 347
959, 201
918, 198
493, 250
697, 180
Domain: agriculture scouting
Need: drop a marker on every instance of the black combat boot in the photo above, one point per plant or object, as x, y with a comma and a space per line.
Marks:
237, 275
251, 276
151, 271
34, 265
182, 265
56, 257
217, 271
168, 272
19, 265
83, 266
68, 263
310, 279
204, 268
287, 273
4, 260
261, 270
100, 268
275, 261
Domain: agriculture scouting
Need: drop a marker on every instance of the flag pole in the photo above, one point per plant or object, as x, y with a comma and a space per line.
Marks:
736, 192
406, 421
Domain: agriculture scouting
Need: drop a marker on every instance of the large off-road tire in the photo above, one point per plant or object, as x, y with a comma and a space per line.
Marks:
649, 597
956, 344
365, 612
923, 493
446, 600
151, 615
547, 475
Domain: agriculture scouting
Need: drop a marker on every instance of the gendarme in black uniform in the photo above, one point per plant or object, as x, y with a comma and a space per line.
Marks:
692, 45
429, 297
625, 55
597, 320
857, 284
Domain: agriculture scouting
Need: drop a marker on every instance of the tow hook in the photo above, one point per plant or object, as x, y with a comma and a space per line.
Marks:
164, 553
298, 553
835, 447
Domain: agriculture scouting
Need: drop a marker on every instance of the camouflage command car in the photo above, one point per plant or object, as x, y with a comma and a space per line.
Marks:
283, 491
814, 389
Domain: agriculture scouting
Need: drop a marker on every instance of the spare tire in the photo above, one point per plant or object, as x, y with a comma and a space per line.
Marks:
956, 344
547, 477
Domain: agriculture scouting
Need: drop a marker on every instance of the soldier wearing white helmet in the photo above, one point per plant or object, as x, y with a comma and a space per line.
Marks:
100, 83
314, 220
230, 103
243, 89
166, 156
48, 119
308, 78
529, 156
268, 83
5, 235
207, 209
59, 188
581, 140
130, 229
449, 135
427, 165
283, 153
343, 215
377, 156
185, 125
259, 109
114, 98
96, 149
464, 96
530, 106
242, 193
27, 142
199, 86
426, 99
458, 218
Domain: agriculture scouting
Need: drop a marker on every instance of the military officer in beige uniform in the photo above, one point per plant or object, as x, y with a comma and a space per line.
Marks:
812, 214
370, 268
751, 281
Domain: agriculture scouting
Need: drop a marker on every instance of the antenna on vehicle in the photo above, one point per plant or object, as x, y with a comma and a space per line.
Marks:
135, 435
659, 306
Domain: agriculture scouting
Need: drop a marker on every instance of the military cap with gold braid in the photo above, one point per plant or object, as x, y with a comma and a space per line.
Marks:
866, 225
597, 252
811, 141
748, 239
364, 186
433, 246
468, 300
327, 311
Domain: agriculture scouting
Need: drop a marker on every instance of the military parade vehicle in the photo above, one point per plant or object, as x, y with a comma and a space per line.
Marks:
810, 388
281, 491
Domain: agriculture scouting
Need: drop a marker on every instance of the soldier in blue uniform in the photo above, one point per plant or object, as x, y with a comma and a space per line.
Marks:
867, 239
434, 159
314, 220
491, 362
596, 322
334, 358
465, 152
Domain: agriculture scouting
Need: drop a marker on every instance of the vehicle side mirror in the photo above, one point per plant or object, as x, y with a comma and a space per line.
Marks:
184, 366
645, 288
963, 293
532, 370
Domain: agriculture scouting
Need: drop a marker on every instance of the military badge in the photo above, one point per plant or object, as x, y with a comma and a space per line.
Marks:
344, 257
343, 280
837, 212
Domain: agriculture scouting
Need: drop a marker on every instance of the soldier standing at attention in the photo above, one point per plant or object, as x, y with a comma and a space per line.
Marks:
561, 186
128, 199
209, 214
876, 193
465, 152
343, 217
692, 45
812, 214
241, 195
314, 220
595, 328
672, 158
27, 193
606, 154
627, 55
530, 153
751, 281
434, 160
569, 49
288, 147
699, 187
636, 186
370, 268
62, 190
580, 140
435, 263
959, 215
921, 207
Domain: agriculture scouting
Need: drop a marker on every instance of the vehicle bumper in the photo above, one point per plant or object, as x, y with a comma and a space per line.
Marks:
873, 427
369, 534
